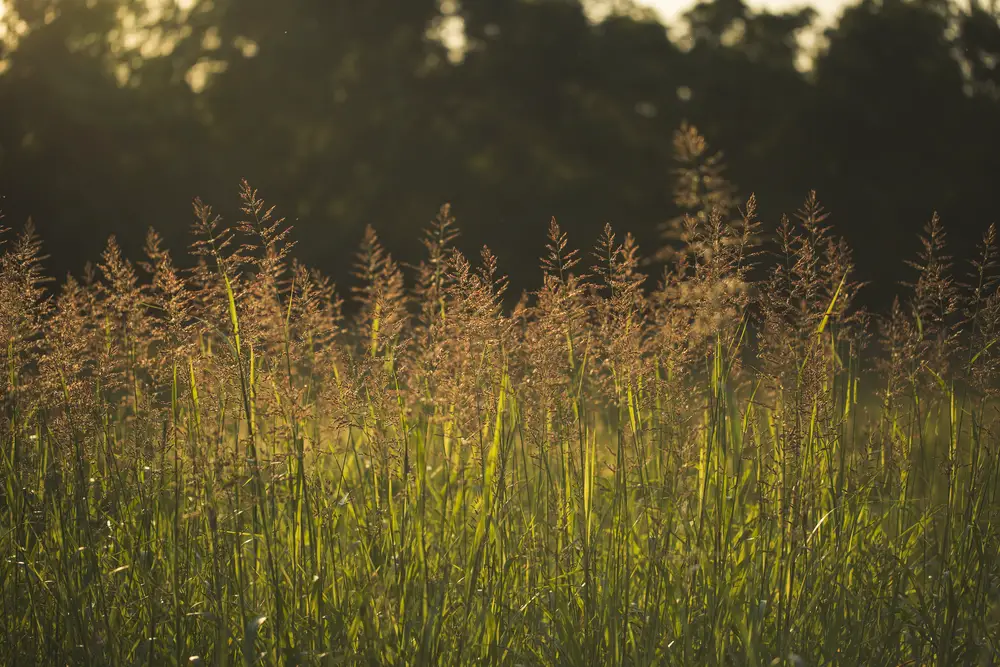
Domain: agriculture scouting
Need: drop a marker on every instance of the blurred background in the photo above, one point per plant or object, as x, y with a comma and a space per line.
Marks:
114, 114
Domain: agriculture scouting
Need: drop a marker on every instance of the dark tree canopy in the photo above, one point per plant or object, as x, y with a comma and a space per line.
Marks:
348, 113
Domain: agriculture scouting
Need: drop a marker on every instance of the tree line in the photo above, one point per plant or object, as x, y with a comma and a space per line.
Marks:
114, 115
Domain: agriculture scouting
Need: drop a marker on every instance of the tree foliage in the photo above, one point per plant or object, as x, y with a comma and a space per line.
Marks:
112, 113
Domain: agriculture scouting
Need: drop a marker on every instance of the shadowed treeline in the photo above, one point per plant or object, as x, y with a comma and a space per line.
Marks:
349, 114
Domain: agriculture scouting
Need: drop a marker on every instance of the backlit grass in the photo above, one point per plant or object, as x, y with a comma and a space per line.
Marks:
728, 466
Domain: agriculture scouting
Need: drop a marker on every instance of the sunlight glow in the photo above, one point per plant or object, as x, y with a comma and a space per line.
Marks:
811, 40
671, 11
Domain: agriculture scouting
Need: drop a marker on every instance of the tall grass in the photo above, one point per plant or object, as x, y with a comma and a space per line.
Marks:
734, 466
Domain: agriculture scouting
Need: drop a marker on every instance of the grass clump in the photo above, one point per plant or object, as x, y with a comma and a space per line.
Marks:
733, 466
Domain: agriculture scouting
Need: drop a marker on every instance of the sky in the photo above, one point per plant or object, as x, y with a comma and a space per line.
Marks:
672, 9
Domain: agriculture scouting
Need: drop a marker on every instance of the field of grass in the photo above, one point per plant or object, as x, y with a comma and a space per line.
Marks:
728, 465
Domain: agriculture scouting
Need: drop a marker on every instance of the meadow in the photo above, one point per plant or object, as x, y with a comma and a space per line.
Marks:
725, 463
